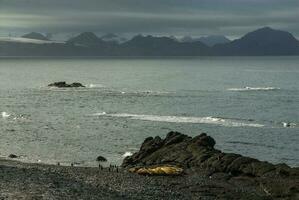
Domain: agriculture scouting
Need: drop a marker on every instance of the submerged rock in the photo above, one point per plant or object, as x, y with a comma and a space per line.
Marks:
63, 84
13, 156
101, 159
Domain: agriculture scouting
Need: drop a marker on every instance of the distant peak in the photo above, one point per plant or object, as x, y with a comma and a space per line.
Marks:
266, 28
86, 38
265, 32
88, 34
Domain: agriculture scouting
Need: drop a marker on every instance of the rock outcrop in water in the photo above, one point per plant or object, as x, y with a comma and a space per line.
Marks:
198, 154
13, 156
63, 84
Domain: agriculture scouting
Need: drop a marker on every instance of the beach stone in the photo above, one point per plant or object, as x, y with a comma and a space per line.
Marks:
101, 159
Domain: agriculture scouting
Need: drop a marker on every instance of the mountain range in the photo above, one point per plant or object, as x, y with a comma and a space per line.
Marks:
262, 42
209, 40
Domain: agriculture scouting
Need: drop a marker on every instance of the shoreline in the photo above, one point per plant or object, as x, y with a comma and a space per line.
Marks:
242, 178
40, 181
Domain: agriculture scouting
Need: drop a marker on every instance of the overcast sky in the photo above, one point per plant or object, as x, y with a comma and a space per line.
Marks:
161, 17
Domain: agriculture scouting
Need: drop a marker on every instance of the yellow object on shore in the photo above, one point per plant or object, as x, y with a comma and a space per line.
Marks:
161, 170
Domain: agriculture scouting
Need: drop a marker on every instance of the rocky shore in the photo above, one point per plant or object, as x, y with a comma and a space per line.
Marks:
208, 173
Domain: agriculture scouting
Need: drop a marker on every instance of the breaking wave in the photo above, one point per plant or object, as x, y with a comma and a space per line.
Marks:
254, 89
183, 119
14, 117
92, 85
146, 92
127, 154
5, 114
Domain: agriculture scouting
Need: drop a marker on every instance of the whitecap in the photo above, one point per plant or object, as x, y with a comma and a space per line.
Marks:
99, 114
183, 119
5, 115
127, 154
288, 124
254, 89
92, 85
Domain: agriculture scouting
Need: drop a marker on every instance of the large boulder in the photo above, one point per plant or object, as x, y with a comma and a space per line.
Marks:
63, 84
197, 156
197, 153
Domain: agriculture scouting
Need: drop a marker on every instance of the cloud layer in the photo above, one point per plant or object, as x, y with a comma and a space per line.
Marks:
162, 17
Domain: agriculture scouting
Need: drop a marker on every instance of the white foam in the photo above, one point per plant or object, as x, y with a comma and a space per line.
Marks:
288, 124
92, 85
5, 115
146, 92
182, 119
99, 114
152, 92
253, 89
127, 154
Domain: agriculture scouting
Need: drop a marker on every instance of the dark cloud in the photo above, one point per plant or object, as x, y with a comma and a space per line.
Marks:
175, 17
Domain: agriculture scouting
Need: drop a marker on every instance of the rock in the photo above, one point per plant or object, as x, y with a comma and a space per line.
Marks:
13, 156
174, 137
198, 153
76, 85
101, 159
63, 84
197, 156
204, 140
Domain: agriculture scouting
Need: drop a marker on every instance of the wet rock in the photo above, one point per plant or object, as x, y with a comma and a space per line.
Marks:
204, 140
101, 159
63, 84
197, 156
13, 156
76, 85
198, 152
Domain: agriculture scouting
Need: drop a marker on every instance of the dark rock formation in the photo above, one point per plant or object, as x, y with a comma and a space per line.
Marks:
101, 159
12, 156
63, 84
198, 155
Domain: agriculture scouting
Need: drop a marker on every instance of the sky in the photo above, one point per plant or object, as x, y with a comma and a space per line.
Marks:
64, 18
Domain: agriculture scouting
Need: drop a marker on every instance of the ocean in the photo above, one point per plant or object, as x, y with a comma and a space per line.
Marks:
250, 105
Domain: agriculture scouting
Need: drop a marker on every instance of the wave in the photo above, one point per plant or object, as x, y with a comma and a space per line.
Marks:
95, 85
182, 119
5, 115
288, 124
13, 116
254, 89
145, 92
126, 154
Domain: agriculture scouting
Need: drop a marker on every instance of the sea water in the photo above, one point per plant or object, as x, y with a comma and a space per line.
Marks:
250, 105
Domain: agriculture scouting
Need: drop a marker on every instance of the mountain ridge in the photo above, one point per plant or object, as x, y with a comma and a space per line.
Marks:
261, 42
